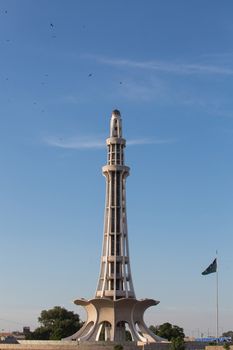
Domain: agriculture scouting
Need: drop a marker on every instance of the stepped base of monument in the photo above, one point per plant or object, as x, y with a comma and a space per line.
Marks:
73, 345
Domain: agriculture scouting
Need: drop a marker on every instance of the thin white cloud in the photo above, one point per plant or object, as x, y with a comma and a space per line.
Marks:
145, 90
149, 142
74, 143
168, 67
78, 143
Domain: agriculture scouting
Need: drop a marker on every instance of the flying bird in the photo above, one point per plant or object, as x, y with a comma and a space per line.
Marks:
90, 75
51, 25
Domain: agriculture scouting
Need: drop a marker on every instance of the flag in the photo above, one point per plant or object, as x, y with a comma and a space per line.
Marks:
211, 268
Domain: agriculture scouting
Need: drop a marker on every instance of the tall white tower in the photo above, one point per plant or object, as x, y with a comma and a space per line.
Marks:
115, 307
115, 280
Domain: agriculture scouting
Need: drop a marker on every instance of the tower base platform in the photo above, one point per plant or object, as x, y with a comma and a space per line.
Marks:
73, 345
115, 321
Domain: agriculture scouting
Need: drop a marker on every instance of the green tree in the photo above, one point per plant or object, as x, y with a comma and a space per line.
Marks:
40, 333
228, 334
168, 331
177, 344
226, 346
55, 324
153, 329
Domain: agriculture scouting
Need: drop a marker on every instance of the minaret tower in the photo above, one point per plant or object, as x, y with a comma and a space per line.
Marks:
115, 279
115, 308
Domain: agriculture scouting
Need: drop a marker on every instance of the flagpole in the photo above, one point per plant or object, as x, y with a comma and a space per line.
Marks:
217, 296
213, 267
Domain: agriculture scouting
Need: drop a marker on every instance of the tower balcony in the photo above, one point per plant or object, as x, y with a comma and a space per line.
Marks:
109, 168
115, 140
111, 293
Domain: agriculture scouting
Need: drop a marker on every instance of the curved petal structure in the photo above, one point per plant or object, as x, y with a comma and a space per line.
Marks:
107, 320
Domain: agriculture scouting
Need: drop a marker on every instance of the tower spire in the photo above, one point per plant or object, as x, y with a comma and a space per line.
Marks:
115, 280
115, 306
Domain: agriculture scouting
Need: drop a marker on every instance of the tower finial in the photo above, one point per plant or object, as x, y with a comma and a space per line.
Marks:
115, 125
116, 113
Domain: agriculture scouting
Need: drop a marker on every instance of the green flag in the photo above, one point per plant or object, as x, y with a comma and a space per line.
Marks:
211, 268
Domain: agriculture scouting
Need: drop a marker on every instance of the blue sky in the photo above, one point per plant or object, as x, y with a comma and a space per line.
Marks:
64, 66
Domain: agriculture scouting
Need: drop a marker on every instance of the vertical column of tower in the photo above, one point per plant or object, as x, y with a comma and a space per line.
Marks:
115, 279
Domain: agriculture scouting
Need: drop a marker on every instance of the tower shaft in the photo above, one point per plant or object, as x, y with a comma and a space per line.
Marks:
115, 280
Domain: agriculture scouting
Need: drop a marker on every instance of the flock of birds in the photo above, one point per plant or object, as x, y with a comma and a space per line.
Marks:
52, 27
90, 74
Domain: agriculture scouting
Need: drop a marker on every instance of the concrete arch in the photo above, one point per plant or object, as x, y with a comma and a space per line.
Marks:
104, 331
